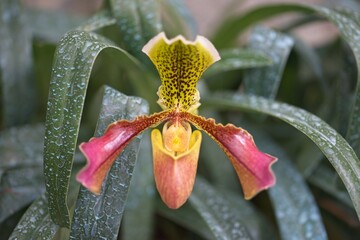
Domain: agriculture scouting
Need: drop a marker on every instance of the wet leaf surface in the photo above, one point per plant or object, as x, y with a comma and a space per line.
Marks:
138, 220
347, 21
35, 223
234, 59
73, 61
138, 20
217, 212
97, 217
265, 81
332, 144
99, 20
296, 211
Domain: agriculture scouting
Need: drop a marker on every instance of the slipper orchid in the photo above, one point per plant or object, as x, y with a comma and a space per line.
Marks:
180, 64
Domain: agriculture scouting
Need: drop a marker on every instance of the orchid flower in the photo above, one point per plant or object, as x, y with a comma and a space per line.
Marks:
175, 150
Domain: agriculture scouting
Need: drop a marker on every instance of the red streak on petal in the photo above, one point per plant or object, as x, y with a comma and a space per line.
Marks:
101, 152
252, 166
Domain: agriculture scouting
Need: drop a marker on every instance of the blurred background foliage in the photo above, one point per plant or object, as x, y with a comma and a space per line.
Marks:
288, 74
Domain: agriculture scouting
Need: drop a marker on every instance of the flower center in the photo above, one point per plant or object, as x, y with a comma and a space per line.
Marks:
176, 136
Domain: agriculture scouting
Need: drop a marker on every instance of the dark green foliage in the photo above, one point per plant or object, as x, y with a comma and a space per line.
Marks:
304, 104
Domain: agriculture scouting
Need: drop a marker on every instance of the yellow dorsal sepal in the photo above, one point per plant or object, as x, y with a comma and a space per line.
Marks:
180, 64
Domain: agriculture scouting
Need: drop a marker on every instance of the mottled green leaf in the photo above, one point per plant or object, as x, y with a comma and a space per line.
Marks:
73, 61
140, 207
138, 20
332, 144
100, 216
295, 208
348, 23
35, 223
223, 220
21, 177
233, 59
265, 81
254, 221
16, 65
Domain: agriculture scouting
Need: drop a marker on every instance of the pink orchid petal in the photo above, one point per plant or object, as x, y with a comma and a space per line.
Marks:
101, 152
175, 175
252, 166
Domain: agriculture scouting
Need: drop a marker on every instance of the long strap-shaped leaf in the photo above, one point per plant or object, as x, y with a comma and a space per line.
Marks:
295, 208
349, 26
265, 81
16, 66
100, 216
35, 223
234, 59
232, 27
73, 61
332, 144
138, 20
217, 212
348, 23
138, 220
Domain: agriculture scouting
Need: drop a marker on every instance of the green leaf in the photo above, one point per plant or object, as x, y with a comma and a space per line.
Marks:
308, 159
223, 175
19, 187
100, 216
295, 208
233, 59
235, 25
21, 177
16, 67
348, 23
254, 221
326, 180
35, 223
138, 20
332, 144
21, 147
178, 18
186, 217
72, 66
99, 20
265, 81
140, 207
223, 220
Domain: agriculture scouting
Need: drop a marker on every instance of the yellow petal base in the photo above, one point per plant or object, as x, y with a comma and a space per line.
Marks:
175, 171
